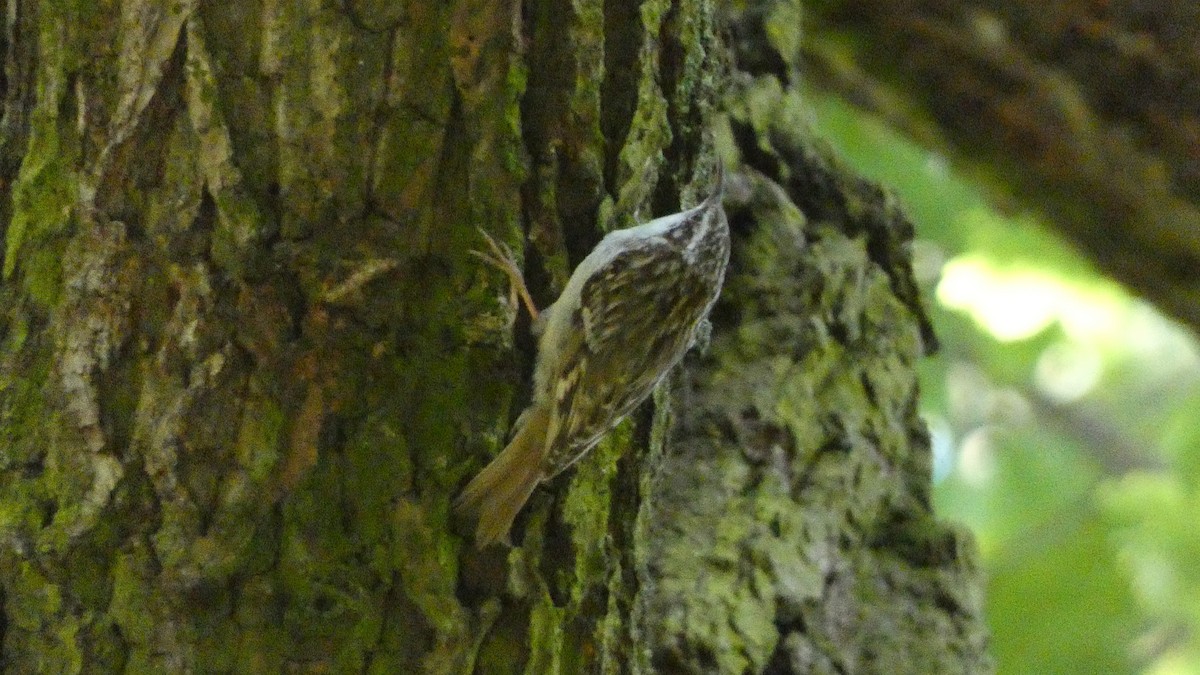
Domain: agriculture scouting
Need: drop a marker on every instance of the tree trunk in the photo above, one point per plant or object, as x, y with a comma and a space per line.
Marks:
246, 361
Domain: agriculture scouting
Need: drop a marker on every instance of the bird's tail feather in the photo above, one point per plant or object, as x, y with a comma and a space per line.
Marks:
496, 495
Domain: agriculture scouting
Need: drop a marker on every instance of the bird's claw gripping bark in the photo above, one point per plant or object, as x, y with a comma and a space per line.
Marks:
502, 258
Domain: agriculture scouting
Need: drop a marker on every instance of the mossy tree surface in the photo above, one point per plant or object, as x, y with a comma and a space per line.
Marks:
797, 487
246, 360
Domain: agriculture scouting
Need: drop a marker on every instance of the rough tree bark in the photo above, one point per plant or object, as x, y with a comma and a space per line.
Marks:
246, 361
1086, 111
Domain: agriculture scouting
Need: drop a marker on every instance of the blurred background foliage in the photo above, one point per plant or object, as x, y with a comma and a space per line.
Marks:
1065, 415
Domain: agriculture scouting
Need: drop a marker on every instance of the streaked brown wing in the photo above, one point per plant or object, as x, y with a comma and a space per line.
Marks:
636, 315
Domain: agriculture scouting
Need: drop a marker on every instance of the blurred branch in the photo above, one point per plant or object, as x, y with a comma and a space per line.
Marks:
1086, 112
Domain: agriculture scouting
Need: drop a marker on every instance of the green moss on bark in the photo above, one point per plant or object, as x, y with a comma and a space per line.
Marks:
46, 189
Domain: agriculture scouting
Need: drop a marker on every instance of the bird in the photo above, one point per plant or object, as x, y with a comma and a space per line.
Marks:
629, 312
